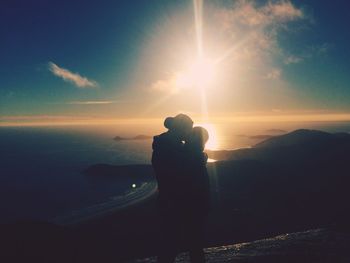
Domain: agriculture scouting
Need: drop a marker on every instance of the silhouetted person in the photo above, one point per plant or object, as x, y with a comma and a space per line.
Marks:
183, 187
195, 160
195, 192
167, 150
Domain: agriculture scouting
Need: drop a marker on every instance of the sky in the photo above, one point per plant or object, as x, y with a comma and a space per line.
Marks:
83, 60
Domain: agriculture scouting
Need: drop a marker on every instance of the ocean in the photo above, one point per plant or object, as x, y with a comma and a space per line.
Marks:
41, 167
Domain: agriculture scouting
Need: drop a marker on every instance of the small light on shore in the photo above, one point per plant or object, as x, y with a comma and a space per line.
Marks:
133, 185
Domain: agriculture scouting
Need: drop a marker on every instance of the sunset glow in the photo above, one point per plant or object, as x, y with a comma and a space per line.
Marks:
212, 143
205, 58
127, 124
199, 75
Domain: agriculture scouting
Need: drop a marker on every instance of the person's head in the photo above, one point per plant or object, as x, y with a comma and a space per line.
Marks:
180, 125
198, 138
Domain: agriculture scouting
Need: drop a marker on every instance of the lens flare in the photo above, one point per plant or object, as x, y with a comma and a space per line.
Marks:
200, 75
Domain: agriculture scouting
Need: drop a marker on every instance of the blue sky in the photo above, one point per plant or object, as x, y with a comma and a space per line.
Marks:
121, 58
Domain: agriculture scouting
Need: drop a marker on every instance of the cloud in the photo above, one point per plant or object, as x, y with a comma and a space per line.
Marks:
283, 11
242, 37
167, 85
292, 59
161, 85
320, 49
264, 20
274, 74
259, 26
248, 13
310, 52
75, 78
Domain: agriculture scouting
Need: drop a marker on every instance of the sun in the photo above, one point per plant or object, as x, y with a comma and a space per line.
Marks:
199, 74
202, 72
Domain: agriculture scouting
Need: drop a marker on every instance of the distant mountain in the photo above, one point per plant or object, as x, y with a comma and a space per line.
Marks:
267, 135
298, 137
256, 137
276, 131
261, 136
138, 137
297, 145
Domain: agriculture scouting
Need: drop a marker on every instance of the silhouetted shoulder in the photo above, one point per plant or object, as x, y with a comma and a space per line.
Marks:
159, 140
166, 143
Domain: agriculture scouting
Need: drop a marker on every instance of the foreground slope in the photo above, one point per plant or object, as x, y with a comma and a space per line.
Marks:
319, 245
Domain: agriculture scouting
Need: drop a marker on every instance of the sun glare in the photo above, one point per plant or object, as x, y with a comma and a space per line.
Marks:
199, 74
212, 143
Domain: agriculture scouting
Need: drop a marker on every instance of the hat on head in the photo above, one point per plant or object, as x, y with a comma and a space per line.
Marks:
180, 121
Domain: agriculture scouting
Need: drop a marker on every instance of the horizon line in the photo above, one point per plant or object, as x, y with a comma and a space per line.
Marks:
63, 120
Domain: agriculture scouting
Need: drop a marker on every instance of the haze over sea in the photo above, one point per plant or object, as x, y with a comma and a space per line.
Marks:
42, 166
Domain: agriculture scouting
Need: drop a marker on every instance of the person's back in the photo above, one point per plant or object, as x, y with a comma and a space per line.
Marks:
166, 152
195, 193
197, 188
166, 158
166, 162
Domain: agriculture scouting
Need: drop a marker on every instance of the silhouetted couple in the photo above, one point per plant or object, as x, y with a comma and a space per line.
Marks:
183, 201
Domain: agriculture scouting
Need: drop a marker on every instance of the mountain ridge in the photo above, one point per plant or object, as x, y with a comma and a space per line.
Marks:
301, 143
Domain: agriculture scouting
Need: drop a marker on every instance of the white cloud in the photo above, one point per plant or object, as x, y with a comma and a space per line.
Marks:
263, 21
168, 85
283, 11
248, 13
292, 59
161, 85
260, 25
309, 52
75, 78
274, 74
